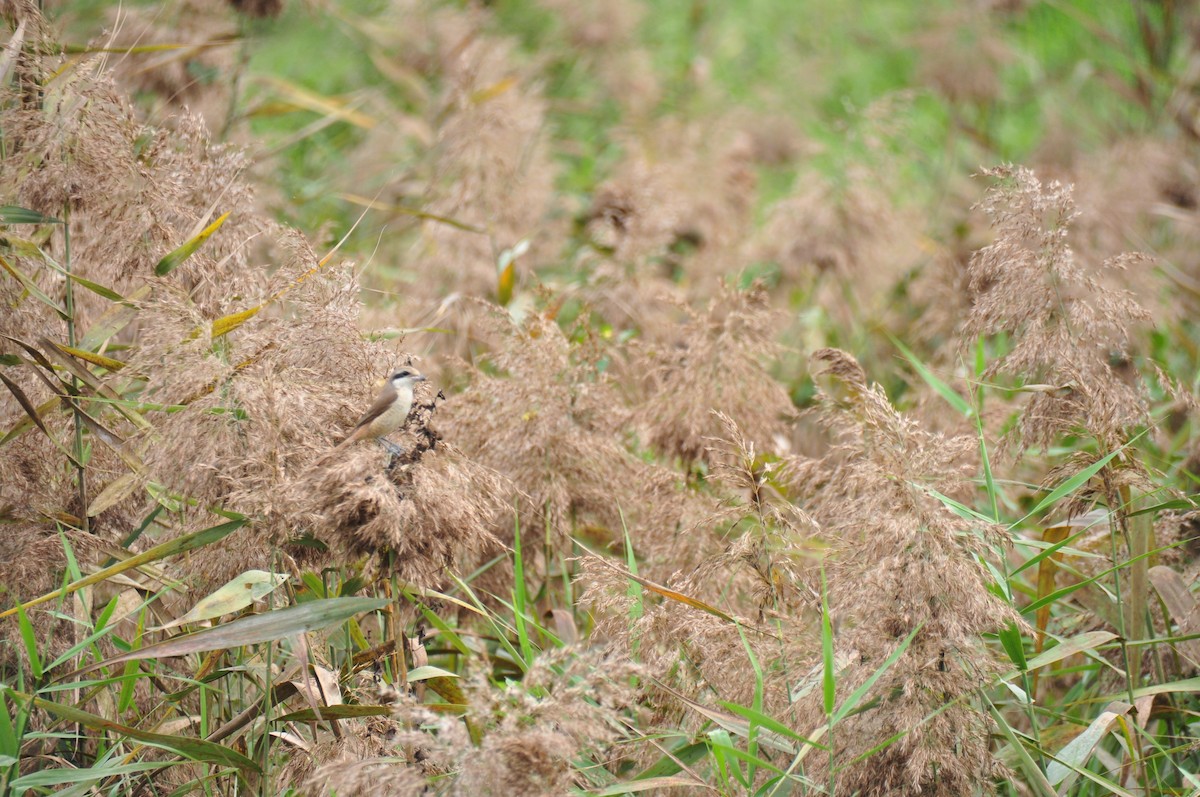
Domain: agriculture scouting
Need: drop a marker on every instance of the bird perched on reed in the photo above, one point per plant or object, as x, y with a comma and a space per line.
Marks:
390, 410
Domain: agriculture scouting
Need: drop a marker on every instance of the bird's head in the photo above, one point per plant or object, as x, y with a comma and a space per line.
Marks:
406, 377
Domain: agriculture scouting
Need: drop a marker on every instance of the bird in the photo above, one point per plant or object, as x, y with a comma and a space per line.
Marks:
390, 410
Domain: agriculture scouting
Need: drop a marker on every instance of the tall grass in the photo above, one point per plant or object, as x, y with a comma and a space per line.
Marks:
770, 446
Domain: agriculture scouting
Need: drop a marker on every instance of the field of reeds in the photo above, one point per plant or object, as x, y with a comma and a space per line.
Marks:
811, 403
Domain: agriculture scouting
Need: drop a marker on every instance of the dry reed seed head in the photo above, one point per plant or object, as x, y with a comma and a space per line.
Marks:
1139, 189
546, 420
679, 205
187, 80
357, 776
78, 151
254, 407
847, 244
435, 516
1066, 327
570, 701
598, 27
962, 56
133, 192
716, 361
602, 36
489, 164
900, 561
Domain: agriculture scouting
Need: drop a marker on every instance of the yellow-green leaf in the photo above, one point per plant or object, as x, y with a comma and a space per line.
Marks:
12, 214
237, 594
113, 320
32, 288
226, 324
179, 545
95, 359
194, 749
175, 258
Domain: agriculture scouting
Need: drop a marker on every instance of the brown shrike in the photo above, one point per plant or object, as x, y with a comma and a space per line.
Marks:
390, 410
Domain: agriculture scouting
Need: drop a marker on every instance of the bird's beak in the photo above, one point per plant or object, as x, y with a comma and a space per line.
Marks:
421, 378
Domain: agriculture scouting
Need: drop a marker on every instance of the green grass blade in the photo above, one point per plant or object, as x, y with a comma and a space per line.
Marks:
941, 388
179, 545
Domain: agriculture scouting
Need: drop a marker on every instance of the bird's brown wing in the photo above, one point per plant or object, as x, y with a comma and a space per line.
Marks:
384, 400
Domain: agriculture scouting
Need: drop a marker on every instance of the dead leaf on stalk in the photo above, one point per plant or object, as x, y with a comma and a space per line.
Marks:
34, 418
236, 594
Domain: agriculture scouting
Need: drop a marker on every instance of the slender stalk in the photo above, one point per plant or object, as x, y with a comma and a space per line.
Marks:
235, 85
81, 474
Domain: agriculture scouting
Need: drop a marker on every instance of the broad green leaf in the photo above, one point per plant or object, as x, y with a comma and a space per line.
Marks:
679, 750
1077, 751
941, 388
1078, 644
1070, 485
734, 724
758, 718
1035, 779
429, 671
1184, 685
858, 694
828, 660
1010, 640
30, 640
61, 777
253, 630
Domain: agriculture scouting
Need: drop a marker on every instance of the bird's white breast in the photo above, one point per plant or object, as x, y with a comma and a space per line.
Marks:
394, 416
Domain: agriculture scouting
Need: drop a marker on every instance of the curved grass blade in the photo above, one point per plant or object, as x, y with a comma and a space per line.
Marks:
941, 388
235, 595
178, 545
33, 289
266, 627
12, 214
192, 749
61, 777
34, 418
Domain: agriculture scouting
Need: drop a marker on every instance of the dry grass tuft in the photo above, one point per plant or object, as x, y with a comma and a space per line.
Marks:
434, 516
715, 361
488, 165
1069, 332
900, 563
544, 415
